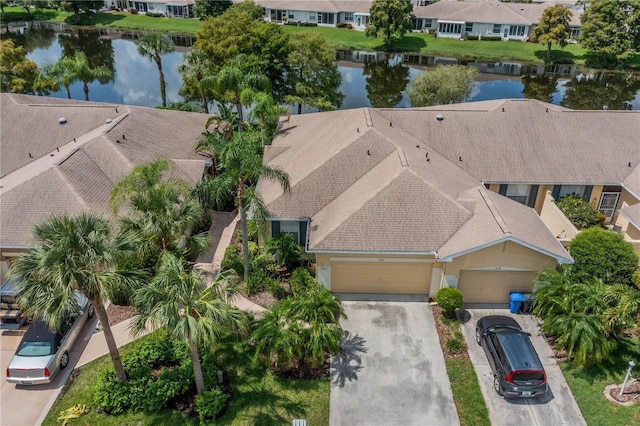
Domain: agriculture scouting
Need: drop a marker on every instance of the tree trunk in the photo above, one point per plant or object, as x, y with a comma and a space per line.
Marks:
163, 85
101, 313
68, 91
197, 369
239, 110
299, 108
245, 234
548, 52
86, 91
205, 103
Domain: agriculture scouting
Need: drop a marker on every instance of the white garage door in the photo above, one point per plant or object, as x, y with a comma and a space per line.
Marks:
381, 277
493, 286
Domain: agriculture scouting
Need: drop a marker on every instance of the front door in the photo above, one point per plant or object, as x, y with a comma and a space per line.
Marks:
608, 203
359, 21
506, 33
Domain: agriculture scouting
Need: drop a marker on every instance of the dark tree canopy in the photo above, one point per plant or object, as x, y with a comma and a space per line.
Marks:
443, 84
602, 254
203, 9
389, 17
77, 6
553, 27
610, 29
99, 50
540, 87
601, 90
241, 29
385, 82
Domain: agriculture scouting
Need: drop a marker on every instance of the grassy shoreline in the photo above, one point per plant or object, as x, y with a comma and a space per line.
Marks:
340, 38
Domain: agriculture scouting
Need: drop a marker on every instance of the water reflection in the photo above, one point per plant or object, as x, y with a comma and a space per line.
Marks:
369, 78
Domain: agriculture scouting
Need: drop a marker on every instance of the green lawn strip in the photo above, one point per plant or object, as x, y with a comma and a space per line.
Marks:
259, 397
472, 410
587, 386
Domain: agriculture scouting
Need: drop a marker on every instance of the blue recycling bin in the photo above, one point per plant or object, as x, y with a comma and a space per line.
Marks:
515, 300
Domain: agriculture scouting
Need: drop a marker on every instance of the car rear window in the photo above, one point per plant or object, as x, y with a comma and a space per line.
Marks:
34, 349
528, 377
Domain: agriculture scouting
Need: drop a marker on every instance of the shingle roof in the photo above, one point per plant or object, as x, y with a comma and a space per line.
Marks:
632, 213
488, 11
80, 175
368, 185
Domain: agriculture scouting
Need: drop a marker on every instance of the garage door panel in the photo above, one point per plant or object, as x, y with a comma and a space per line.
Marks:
380, 277
493, 286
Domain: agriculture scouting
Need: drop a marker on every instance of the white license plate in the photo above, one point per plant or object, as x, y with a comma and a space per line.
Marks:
526, 393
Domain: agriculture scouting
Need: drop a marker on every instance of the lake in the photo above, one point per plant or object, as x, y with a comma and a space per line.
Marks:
370, 79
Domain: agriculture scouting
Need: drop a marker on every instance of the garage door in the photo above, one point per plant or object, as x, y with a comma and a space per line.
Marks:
493, 286
381, 277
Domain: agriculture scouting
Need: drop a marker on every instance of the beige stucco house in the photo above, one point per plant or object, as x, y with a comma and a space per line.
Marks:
411, 200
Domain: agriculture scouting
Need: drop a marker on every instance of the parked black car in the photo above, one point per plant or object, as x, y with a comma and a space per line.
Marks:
517, 370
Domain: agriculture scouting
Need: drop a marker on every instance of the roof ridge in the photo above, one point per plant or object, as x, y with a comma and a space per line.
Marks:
495, 212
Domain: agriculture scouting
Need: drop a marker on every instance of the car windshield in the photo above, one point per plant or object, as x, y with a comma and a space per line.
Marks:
34, 349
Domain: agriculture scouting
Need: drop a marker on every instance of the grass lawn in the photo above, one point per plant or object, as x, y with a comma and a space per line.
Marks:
340, 37
259, 398
587, 386
472, 411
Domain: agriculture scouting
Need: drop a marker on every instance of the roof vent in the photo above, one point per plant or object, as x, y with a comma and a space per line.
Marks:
62, 120
439, 117
108, 121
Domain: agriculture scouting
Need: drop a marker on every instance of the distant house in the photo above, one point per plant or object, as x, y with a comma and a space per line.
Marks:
63, 156
169, 8
407, 201
328, 13
509, 21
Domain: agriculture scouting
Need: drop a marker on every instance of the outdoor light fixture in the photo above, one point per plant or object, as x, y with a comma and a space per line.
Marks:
631, 365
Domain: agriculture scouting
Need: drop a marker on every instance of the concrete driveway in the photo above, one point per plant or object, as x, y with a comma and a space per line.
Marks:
558, 408
391, 370
28, 405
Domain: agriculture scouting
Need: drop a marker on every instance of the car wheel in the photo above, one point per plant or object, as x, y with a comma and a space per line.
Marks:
478, 336
496, 385
64, 360
91, 312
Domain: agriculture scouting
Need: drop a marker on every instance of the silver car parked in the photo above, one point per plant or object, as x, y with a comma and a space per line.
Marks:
43, 352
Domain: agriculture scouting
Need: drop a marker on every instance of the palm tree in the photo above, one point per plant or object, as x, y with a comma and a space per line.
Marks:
277, 337
74, 252
624, 304
573, 312
180, 300
67, 70
196, 65
153, 46
225, 121
240, 82
241, 161
265, 107
162, 210
63, 72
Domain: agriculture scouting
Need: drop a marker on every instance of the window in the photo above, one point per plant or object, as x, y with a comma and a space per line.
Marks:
348, 16
468, 27
290, 14
518, 192
319, 18
291, 227
449, 28
497, 28
312, 17
516, 30
428, 23
571, 190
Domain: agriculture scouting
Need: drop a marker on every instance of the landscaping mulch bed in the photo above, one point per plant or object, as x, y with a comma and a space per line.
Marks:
631, 393
444, 331
119, 313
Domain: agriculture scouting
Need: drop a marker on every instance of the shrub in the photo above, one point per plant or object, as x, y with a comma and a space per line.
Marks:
264, 262
285, 250
210, 403
449, 299
580, 212
301, 281
133, 11
257, 282
455, 343
158, 371
233, 260
277, 290
599, 253
346, 25
308, 24
433, 32
294, 23
471, 37
491, 38
154, 14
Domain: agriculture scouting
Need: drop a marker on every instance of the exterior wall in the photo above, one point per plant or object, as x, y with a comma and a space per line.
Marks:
625, 197
556, 221
542, 194
596, 193
6, 257
503, 256
486, 29
628, 230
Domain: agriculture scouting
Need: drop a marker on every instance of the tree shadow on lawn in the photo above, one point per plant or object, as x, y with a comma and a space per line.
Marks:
259, 406
409, 43
558, 57
614, 366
